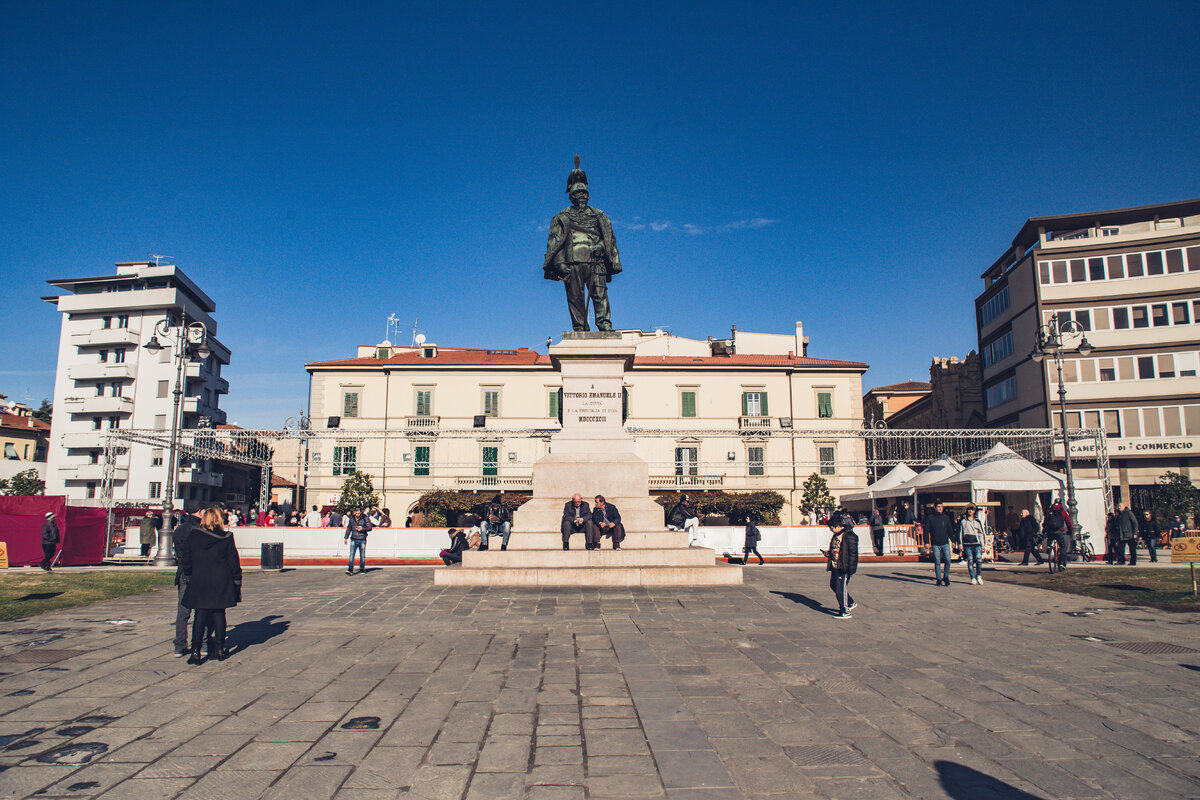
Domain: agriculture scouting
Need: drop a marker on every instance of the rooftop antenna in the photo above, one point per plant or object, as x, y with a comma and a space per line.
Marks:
156, 257
417, 332
392, 321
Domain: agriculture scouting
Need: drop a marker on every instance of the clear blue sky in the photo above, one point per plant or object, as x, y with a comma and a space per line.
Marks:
319, 166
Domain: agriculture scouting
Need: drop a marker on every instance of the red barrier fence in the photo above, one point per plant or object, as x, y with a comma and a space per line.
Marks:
80, 530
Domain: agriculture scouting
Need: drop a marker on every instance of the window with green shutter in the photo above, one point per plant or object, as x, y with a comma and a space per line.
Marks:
687, 404
491, 458
421, 460
754, 404
350, 405
344, 459
827, 458
424, 402
754, 458
552, 409
824, 405
491, 403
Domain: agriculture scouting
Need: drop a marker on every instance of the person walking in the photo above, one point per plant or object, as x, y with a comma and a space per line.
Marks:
1027, 537
357, 529
179, 537
1111, 537
753, 536
939, 527
147, 533
50, 539
1012, 528
877, 531
1057, 525
970, 536
1127, 527
210, 561
1148, 530
842, 562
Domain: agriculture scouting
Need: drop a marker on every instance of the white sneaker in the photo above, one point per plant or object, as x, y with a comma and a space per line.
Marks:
974, 581
980, 580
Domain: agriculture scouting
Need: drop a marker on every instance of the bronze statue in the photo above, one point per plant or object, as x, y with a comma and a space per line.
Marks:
582, 253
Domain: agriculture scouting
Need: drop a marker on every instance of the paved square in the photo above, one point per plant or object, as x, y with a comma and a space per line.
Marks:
384, 686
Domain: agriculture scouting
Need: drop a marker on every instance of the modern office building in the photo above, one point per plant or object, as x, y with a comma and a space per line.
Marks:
754, 387
1131, 279
107, 379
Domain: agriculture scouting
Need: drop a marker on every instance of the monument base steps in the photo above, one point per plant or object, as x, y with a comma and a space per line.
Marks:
711, 575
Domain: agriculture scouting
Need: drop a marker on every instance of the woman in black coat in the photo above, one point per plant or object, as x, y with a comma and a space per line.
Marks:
752, 538
210, 559
458, 543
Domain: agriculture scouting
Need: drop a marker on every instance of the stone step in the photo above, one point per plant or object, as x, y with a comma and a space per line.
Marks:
711, 575
634, 540
625, 557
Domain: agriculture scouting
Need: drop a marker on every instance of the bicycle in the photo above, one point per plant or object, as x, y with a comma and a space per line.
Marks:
1052, 554
1087, 553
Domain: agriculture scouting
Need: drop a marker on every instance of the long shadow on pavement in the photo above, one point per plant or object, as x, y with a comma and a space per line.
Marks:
902, 577
963, 783
805, 600
248, 634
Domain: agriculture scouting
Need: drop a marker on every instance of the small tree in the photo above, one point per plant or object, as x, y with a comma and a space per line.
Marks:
1175, 494
24, 483
764, 506
442, 505
357, 492
815, 495
44, 412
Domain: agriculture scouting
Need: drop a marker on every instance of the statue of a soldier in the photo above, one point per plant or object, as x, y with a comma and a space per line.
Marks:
582, 253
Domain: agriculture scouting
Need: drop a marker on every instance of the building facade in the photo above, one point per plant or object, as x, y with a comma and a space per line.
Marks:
953, 398
23, 440
106, 379
1131, 279
751, 387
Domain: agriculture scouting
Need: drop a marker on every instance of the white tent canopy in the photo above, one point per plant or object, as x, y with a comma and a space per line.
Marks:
1002, 470
944, 467
898, 475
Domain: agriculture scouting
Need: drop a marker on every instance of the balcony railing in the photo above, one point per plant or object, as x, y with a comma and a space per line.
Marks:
102, 336
754, 423
422, 423
688, 481
494, 482
97, 404
90, 472
100, 371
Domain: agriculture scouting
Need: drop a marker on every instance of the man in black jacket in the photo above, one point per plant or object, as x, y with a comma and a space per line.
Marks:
577, 518
497, 521
606, 520
179, 537
1027, 535
842, 557
1148, 530
877, 531
940, 528
49, 541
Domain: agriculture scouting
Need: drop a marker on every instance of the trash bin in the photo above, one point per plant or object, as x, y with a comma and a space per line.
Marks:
272, 556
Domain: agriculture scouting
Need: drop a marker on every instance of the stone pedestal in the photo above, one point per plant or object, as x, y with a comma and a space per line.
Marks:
591, 455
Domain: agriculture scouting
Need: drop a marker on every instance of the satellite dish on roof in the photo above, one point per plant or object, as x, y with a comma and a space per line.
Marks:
384, 343
658, 332
419, 339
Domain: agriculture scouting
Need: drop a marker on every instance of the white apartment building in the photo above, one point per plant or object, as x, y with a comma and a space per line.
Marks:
106, 379
753, 388
1131, 279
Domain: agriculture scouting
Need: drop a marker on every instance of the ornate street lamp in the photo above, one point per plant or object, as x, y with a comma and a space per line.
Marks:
1053, 339
187, 340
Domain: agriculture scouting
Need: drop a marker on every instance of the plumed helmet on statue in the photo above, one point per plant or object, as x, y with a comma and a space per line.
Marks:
577, 179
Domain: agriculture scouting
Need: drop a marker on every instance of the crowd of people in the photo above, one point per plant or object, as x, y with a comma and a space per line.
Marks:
274, 516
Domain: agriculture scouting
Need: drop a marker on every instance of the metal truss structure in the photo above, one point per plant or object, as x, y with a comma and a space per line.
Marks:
883, 448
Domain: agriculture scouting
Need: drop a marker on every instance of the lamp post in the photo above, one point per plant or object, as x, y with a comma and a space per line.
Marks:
187, 339
302, 424
1053, 339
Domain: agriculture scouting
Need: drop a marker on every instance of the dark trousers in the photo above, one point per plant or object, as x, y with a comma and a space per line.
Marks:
751, 549
145, 550
449, 558
1132, 545
568, 527
1152, 546
1064, 547
617, 532
210, 624
581, 278
877, 540
48, 550
182, 615
1031, 547
839, 582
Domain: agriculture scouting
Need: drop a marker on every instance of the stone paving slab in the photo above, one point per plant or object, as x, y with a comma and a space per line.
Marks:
386, 686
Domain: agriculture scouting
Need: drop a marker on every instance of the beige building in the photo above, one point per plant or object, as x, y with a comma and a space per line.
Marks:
1131, 279
953, 398
714, 414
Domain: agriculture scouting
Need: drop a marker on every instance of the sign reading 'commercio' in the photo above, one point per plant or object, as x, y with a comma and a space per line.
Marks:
1145, 446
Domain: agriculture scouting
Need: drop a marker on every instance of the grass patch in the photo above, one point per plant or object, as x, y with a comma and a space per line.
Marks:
1166, 589
24, 595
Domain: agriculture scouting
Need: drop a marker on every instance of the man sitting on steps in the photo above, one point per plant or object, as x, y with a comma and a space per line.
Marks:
577, 518
497, 521
607, 522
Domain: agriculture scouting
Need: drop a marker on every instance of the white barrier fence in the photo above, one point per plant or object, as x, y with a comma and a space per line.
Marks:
300, 543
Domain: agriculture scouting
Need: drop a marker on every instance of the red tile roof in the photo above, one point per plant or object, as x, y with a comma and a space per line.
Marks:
22, 423
479, 357
905, 386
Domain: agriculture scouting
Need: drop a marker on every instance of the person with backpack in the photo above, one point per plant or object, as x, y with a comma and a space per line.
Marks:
970, 537
1057, 525
842, 562
751, 544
